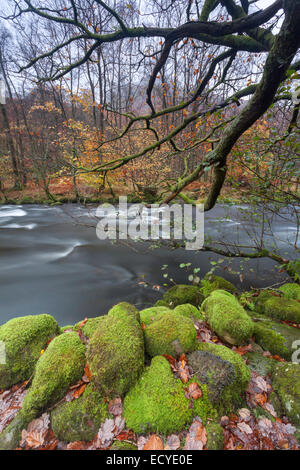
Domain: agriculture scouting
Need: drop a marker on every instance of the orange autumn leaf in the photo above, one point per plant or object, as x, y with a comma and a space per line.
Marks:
154, 443
194, 391
82, 323
79, 391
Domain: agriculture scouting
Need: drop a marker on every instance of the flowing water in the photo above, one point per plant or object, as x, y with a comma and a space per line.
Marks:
52, 262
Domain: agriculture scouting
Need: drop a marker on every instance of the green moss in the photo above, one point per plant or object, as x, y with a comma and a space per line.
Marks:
172, 334
80, 419
232, 395
157, 402
24, 338
91, 326
149, 315
261, 299
125, 307
286, 383
215, 436
189, 311
211, 283
66, 327
60, 366
227, 317
161, 303
276, 337
291, 291
280, 308
183, 294
122, 445
116, 353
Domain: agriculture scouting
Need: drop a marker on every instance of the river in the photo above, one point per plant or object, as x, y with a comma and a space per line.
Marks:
52, 262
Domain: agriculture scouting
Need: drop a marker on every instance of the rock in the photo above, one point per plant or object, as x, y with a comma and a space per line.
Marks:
286, 383
161, 303
60, 366
24, 338
215, 436
122, 445
189, 311
291, 291
211, 283
125, 307
275, 337
213, 371
116, 353
80, 419
227, 317
172, 334
183, 294
279, 308
259, 363
224, 387
149, 315
157, 402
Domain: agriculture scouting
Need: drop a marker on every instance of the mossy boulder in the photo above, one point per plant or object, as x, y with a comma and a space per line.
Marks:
286, 384
227, 317
89, 326
122, 445
183, 294
161, 303
80, 419
215, 436
172, 334
225, 387
157, 403
261, 299
189, 311
24, 339
116, 353
290, 291
212, 282
61, 365
259, 363
149, 315
125, 307
280, 308
276, 337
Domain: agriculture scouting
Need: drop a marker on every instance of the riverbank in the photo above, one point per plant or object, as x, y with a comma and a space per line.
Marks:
204, 368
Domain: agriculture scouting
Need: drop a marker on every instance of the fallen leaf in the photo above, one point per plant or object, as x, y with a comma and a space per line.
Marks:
154, 443
79, 391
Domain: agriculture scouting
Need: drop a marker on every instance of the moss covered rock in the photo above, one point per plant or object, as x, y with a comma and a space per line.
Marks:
211, 283
226, 389
282, 309
161, 303
172, 334
24, 338
149, 315
276, 337
60, 366
122, 445
125, 307
227, 317
286, 384
189, 311
183, 294
80, 419
157, 403
290, 291
259, 363
116, 353
215, 436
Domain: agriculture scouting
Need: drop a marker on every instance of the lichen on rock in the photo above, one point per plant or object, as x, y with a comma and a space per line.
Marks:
24, 339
